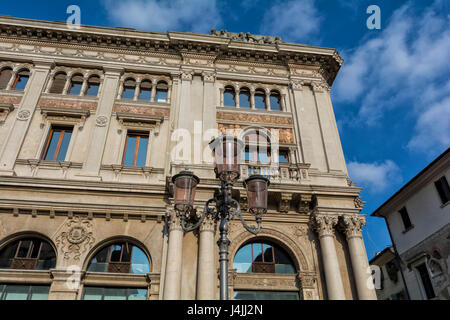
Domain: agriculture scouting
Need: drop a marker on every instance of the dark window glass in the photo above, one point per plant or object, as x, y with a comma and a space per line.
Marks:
244, 98
5, 77
75, 85
265, 295
161, 92
59, 83
121, 257
145, 90
135, 150
443, 189
31, 253
283, 156
228, 97
260, 100
21, 80
58, 143
405, 218
93, 86
425, 277
269, 254
275, 101
109, 293
129, 88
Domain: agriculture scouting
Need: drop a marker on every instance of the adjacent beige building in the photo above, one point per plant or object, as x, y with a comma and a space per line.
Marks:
95, 122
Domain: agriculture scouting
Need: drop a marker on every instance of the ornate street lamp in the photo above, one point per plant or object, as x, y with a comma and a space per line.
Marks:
227, 154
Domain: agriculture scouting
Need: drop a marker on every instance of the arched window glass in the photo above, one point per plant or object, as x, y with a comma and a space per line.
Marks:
260, 99
75, 85
161, 92
5, 77
228, 97
92, 86
121, 257
59, 82
263, 257
145, 90
21, 80
129, 87
275, 101
28, 253
244, 98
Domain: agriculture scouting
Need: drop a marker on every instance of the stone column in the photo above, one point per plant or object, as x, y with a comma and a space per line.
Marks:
206, 279
324, 225
16, 136
268, 106
252, 98
137, 89
153, 92
236, 96
84, 86
172, 282
68, 81
352, 229
91, 166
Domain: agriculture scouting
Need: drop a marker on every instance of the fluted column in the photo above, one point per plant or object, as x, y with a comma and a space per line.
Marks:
206, 279
172, 282
324, 226
352, 228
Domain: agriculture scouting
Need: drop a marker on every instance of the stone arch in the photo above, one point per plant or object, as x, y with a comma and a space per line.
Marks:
111, 240
285, 242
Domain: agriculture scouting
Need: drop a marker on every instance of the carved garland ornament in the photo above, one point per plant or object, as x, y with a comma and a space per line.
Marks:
77, 239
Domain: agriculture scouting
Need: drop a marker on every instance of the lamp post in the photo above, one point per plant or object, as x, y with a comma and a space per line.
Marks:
227, 155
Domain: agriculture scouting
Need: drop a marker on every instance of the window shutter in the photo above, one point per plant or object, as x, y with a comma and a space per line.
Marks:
58, 83
5, 76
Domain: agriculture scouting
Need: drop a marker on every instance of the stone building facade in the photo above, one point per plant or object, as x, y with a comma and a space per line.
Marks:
91, 122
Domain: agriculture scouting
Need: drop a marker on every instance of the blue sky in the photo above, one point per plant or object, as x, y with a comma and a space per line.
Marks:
391, 97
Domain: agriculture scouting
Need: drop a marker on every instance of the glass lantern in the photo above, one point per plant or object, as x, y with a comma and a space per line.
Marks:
185, 184
227, 157
257, 194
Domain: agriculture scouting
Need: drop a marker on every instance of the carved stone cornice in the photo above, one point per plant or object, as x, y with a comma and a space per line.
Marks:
285, 202
351, 225
65, 114
324, 224
170, 45
304, 203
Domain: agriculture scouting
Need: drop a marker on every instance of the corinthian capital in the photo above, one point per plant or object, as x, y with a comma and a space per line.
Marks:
352, 225
174, 222
324, 224
209, 224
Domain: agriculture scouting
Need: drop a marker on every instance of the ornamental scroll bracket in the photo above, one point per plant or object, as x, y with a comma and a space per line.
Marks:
5, 110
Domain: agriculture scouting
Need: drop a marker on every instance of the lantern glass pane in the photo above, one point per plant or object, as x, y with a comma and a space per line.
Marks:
185, 187
257, 196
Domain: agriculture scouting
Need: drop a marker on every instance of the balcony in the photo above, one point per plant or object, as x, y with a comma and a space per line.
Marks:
284, 173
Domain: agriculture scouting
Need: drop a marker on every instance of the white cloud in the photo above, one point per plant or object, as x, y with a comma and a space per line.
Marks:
162, 16
376, 177
292, 21
407, 65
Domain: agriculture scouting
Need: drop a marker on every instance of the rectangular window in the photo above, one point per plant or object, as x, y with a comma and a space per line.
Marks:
265, 295
426, 281
98, 293
135, 152
23, 292
58, 143
443, 189
283, 156
405, 218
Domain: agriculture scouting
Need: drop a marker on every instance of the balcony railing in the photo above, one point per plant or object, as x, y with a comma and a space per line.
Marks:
282, 173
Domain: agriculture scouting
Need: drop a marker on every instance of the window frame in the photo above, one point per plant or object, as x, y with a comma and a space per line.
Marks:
18, 76
406, 219
443, 189
138, 134
57, 150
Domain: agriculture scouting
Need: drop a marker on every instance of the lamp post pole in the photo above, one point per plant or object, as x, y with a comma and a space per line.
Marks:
222, 206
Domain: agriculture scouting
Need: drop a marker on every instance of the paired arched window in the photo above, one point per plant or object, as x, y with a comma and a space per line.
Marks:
228, 97
258, 99
244, 98
76, 84
275, 100
28, 253
59, 82
129, 87
258, 149
263, 257
93, 85
161, 91
20, 80
143, 91
120, 257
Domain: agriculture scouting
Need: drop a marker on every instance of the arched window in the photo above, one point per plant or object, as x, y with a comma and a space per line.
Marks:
92, 86
161, 91
257, 147
120, 257
263, 257
244, 98
21, 80
275, 100
28, 253
145, 92
75, 84
5, 77
59, 82
229, 97
260, 99
129, 87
